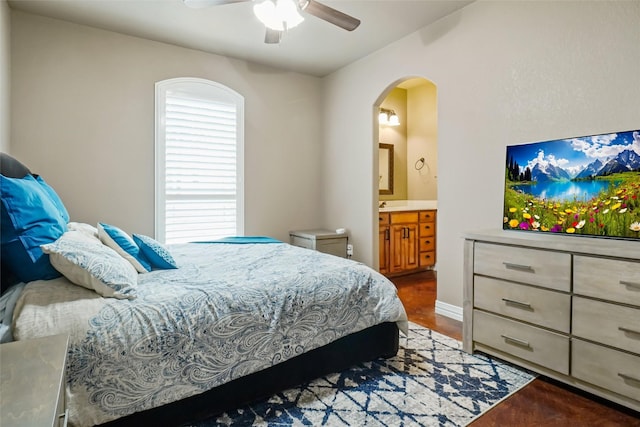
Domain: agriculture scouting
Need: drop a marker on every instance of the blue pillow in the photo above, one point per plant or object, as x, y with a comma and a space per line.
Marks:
54, 198
28, 219
155, 252
120, 242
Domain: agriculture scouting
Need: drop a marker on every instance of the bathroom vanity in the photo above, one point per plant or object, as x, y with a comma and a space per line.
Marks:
407, 236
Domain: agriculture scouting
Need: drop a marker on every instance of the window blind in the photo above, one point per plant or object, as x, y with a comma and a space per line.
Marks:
200, 178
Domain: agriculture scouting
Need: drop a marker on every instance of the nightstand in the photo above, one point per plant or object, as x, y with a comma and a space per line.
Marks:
325, 241
32, 382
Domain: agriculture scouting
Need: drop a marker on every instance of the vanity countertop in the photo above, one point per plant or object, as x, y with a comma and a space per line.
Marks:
409, 205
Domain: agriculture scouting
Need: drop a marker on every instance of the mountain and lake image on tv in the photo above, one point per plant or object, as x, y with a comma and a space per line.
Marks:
588, 185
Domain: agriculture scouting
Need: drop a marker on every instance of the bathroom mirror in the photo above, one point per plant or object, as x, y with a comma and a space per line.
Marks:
385, 180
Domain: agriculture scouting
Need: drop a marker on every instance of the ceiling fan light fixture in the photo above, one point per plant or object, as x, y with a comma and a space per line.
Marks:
287, 11
279, 16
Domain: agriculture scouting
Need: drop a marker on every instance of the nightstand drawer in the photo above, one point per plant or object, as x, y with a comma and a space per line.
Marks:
607, 368
534, 305
536, 345
610, 324
536, 267
610, 279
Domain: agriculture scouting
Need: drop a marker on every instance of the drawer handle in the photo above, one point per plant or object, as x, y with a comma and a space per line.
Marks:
64, 417
520, 342
630, 284
629, 378
519, 267
627, 330
518, 303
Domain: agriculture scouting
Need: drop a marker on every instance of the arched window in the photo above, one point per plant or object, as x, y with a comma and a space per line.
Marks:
199, 157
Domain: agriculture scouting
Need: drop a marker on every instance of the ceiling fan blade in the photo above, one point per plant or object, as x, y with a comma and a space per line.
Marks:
272, 36
199, 4
331, 15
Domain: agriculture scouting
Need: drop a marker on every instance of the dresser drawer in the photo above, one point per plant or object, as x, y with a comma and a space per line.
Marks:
609, 324
536, 345
534, 305
427, 216
536, 267
607, 368
427, 244
610, 279
427, 229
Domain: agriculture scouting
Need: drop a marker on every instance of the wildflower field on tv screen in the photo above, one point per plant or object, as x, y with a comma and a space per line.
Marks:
586, 185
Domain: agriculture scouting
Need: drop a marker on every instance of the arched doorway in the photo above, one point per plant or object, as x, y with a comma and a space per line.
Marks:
405, 135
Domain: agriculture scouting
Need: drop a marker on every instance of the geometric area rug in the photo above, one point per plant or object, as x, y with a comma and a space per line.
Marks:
430, 382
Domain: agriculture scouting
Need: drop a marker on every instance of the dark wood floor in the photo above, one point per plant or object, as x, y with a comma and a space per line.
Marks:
543, 402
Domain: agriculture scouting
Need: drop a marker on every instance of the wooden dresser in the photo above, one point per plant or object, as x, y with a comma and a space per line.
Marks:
567, 307
407, 241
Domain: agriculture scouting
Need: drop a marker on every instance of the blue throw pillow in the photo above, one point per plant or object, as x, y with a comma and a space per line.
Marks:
54, 198
120, 242
155, 252
28, 219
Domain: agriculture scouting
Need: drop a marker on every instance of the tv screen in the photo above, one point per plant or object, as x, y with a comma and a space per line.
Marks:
588, 185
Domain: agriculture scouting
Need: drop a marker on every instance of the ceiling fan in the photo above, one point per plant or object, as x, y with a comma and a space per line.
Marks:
280, 15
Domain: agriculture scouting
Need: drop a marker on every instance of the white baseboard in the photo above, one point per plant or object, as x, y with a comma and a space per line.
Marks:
449, 310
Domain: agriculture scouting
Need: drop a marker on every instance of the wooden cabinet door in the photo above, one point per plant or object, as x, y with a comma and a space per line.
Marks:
412, 242
396, 248
384, 237
404, 247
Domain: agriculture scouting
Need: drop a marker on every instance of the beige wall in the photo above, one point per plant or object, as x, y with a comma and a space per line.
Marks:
83, 117
422, 142
5, 75
396, 100
506, 72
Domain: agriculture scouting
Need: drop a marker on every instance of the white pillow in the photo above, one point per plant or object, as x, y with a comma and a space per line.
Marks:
87, 229
86, 262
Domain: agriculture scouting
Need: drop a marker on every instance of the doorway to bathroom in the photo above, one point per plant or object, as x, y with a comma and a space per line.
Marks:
406, 139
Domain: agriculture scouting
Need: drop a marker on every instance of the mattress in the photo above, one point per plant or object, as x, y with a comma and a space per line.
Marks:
228, 311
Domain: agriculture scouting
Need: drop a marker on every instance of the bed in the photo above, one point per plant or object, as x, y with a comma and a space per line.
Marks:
237, 320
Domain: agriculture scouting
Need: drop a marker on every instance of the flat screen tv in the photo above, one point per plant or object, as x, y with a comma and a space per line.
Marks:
588, 185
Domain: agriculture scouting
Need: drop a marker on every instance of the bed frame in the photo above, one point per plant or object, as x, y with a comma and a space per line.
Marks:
380, 341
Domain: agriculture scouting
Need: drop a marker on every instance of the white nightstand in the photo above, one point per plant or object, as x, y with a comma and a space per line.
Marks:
325, 241
32, 382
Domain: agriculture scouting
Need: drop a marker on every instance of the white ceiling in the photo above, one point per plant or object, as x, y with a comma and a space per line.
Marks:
315, 47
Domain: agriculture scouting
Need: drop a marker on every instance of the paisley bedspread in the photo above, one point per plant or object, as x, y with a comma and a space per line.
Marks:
228, 311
